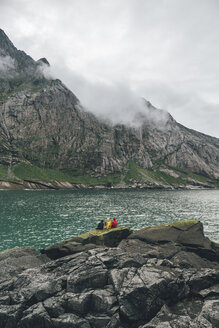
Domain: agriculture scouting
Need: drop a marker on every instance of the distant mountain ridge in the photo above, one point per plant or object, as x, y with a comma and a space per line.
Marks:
47, 137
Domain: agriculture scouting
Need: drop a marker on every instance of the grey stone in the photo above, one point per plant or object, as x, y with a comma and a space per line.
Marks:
16, 260
114, 288
69, 320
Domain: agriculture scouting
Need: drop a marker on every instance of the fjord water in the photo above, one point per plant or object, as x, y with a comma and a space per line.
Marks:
40, 218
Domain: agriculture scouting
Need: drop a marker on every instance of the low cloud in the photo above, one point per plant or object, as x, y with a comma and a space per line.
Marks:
45, 70
166, 51
6, 64
116, 103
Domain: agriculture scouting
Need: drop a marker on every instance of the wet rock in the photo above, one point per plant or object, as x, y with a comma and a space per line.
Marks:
110, 238
185, 260
116, 287
36, 316
55, 306
78, 302
16, 260
188, 233
70, 320
186, 314
99, 321
87, 276
167, 240
65, 248
87, 241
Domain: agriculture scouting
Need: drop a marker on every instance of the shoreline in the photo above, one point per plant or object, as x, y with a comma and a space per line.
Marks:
64, 185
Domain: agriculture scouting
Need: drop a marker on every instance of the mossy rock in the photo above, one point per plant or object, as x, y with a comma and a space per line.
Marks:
87, 241
182, 225
110, 238
186, 231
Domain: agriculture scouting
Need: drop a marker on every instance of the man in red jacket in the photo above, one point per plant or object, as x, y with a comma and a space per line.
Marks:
114, 223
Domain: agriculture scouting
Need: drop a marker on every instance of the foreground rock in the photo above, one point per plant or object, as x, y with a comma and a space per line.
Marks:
133, 285
166, 241
87, 241
16, 260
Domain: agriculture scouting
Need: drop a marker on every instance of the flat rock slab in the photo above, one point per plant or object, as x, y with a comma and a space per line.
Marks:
87, 241
188, 234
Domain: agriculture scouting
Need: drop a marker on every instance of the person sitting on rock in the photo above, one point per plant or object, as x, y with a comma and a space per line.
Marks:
114, 223
108, 223
100, 225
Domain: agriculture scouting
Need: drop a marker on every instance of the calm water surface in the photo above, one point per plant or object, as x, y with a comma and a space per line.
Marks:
39, 218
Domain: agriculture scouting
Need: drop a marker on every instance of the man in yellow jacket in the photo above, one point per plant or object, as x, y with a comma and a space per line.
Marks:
108, 223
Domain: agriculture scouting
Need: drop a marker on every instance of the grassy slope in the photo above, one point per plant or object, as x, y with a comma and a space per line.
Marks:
137, 174
132, 174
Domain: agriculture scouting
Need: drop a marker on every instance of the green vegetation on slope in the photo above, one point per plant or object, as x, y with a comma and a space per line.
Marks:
136, 174
22, 83
132, 174
30, 172
25, 171
3, 172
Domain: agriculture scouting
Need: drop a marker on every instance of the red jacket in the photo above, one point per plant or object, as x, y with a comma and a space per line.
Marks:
114, 223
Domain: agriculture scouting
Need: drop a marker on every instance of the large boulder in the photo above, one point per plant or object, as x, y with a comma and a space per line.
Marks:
90, 240
195, 313
64, 248
110, 238
168, 239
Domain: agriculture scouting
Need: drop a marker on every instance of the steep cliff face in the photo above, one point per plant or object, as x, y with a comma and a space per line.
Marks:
42, 124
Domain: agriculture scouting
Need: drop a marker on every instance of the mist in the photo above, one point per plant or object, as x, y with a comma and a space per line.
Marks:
6, 64
44, 69
165, 51
116, 103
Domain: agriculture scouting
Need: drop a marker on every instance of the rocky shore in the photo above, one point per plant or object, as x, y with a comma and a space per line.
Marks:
164, 276
65, 185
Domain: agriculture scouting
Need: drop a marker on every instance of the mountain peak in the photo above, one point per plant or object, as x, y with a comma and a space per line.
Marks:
12, 60
6, 46
43, 61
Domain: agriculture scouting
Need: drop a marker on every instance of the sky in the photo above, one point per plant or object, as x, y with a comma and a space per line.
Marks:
111, 53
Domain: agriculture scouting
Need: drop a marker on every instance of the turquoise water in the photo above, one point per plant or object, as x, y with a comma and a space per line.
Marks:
39, 218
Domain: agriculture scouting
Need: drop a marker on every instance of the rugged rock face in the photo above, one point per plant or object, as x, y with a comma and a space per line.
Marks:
188, 234
159, 283
43, 124
14, 261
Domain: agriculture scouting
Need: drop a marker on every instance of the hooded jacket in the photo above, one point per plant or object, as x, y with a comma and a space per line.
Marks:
108, 223
114, 223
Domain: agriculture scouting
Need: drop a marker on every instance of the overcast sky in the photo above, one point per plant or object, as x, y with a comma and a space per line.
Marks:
110, 52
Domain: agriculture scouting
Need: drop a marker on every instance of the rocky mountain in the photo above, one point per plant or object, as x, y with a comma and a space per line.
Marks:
47, 139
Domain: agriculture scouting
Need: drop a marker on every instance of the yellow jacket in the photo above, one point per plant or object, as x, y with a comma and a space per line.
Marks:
108, 223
